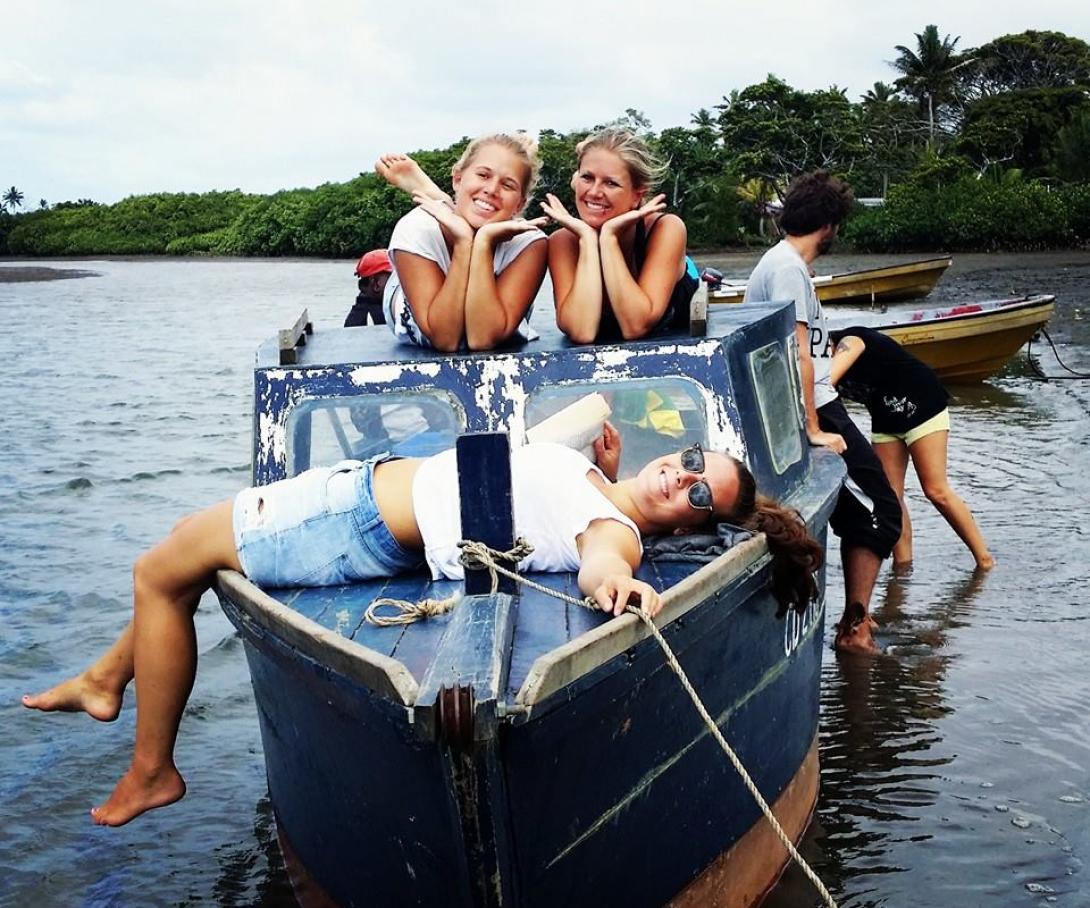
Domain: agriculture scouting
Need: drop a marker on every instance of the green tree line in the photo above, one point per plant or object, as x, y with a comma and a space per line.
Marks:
982, 148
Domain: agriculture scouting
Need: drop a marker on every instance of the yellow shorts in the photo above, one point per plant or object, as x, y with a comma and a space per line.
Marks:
940, 422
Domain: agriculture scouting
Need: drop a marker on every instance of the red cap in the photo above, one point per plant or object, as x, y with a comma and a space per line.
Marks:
373, 262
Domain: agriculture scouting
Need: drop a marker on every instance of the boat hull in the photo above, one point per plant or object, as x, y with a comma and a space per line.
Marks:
893, 283
971, 343
596, 780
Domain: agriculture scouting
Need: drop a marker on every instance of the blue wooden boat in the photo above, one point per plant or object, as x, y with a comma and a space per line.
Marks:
517, 750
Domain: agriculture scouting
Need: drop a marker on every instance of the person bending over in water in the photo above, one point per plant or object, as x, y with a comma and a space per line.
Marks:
619, 269
467, 269
304, 531
909, 418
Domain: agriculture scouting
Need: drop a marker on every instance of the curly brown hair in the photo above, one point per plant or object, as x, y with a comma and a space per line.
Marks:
814, 200
796, 555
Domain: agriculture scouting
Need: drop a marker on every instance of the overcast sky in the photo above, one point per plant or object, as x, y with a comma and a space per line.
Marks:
105, 100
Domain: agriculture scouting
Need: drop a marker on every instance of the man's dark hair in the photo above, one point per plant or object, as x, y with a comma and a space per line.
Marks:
814, 200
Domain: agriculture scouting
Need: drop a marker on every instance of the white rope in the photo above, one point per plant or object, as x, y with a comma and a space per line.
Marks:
476, 555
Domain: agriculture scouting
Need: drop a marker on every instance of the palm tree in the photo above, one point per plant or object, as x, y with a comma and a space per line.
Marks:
928, 72
43, 204
879, 94
13, 198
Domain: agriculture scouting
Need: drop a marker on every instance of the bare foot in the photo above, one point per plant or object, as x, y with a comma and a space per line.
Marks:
78, 694
902, 568
137, 792
402, 172
853, 631
857, 641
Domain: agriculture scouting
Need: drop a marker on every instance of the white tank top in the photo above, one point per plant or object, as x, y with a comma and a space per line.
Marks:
554, 503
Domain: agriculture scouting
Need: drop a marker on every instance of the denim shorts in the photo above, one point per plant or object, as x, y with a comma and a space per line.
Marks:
320, 528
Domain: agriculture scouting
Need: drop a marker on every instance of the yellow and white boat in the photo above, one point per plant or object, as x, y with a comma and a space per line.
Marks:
968, 342
892, 283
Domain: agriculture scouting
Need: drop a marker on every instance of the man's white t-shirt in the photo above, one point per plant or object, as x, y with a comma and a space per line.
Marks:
782, 275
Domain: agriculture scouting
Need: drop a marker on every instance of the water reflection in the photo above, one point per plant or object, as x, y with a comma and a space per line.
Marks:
252, 873
881, 744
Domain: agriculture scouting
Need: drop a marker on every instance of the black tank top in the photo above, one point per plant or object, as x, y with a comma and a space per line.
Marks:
676, 315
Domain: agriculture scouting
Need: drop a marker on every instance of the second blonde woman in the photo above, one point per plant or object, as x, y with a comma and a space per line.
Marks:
619, 269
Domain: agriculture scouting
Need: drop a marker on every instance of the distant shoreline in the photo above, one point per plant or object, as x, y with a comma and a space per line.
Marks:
21, 275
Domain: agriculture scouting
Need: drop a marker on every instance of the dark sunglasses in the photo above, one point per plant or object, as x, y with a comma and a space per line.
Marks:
700, 493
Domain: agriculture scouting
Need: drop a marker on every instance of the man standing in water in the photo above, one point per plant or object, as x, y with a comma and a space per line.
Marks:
868, 515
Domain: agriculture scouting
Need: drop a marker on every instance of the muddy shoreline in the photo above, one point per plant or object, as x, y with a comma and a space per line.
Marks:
24, 274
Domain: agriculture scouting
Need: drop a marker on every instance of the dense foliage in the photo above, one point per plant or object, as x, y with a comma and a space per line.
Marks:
984, 148
973, 214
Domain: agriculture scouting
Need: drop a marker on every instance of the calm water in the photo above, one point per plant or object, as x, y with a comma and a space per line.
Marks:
954, 768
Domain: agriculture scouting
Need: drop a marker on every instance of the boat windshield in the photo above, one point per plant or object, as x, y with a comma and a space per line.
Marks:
412, 424
654, 416
778, 394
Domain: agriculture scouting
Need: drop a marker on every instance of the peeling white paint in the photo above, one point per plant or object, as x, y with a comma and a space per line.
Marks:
391, 373
343, 618
501, 379
271, 438
614, 359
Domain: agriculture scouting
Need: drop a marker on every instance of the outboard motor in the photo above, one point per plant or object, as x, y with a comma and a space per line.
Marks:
713, 277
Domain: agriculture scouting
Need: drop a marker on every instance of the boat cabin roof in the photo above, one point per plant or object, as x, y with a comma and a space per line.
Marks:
374, 343
357, 391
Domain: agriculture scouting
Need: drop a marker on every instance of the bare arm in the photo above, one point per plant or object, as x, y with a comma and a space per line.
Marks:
437, 300
609, 554
495, 305
806, 374
576, 272
848, 349
639, 301
607, 451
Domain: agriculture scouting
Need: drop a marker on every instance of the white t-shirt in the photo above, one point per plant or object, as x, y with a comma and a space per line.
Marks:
554, 503
782, 275
419, 233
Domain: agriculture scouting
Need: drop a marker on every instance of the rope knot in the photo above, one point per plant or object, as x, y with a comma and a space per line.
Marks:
476, 556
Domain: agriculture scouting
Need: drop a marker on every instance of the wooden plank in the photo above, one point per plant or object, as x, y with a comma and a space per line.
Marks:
698, 311
290, 339
419, 642
486, 502
381, 674
555, 669
541, 626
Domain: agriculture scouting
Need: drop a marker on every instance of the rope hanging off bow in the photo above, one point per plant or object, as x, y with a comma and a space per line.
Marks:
478, 556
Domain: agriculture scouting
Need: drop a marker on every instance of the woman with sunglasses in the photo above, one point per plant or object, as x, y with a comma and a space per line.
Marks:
359, 520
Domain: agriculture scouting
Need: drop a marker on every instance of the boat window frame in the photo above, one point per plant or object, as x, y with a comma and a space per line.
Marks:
695, 391
783, 438
330, 403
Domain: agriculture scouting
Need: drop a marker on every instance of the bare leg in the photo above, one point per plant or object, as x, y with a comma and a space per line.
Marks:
929, 459
167, 584
894, 458
98, 690
402, 172
861, 567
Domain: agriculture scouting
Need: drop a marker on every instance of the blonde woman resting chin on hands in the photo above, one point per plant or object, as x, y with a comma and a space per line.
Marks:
466, 269
619, 269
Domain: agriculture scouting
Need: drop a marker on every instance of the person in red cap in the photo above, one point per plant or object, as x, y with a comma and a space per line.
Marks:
373, 269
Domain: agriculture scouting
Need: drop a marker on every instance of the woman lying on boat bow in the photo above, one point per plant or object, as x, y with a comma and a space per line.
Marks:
364, 519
